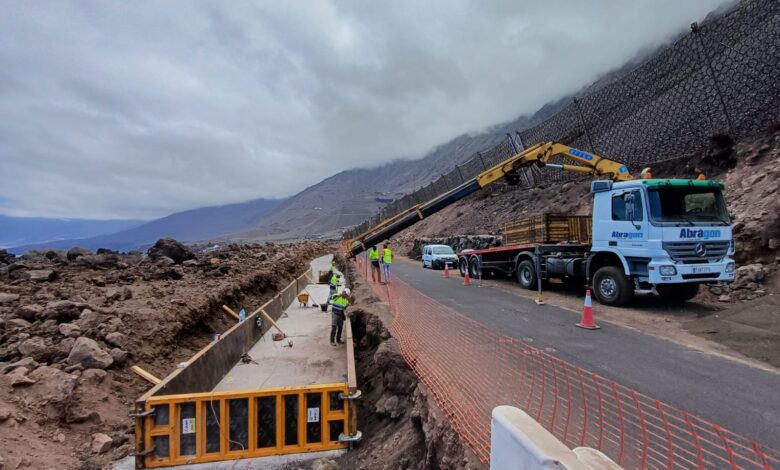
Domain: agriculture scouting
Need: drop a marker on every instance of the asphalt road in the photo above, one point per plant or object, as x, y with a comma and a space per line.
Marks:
742, 398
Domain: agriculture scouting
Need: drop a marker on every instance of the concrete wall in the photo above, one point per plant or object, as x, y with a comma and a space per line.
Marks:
204, 370
518, 442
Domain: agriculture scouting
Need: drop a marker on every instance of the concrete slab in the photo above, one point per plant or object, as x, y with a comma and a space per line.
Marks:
310, 360
275, 462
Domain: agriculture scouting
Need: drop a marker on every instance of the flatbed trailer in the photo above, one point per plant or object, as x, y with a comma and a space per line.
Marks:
528, 262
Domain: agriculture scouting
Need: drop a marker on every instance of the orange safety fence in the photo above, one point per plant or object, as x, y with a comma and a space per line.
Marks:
470, 369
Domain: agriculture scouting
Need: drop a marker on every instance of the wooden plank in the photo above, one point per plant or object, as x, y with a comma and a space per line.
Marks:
145, 375
268, 317
230, 311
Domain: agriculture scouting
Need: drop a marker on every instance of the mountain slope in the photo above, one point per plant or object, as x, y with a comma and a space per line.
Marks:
192, 225
26, 230
350, 197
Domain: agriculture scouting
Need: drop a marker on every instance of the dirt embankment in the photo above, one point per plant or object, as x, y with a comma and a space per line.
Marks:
71, 325
402, 426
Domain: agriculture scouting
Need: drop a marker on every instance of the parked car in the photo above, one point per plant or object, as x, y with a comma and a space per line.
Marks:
434, 256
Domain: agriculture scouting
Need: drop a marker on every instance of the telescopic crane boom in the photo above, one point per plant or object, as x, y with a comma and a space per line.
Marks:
539, 155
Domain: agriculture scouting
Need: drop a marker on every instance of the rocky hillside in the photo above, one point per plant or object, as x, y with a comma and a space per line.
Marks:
72, 323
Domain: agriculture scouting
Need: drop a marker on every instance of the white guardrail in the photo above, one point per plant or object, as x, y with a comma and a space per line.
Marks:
518, 442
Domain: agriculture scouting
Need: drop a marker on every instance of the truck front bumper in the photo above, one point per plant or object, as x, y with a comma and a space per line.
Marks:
705, 272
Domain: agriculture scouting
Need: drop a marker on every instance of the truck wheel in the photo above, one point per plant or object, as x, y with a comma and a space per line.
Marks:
462, 263
611, 286
474, 268
678, 292
526, 274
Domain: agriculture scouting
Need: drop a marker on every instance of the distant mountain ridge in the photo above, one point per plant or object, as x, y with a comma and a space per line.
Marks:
191, 225
16, 231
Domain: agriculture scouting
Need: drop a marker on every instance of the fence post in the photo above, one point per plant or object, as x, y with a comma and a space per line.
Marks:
479, 154
582, 123
520, 138
708, 62
512, 141
457, 167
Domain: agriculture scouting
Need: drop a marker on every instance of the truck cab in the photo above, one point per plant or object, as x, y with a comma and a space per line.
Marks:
658, 235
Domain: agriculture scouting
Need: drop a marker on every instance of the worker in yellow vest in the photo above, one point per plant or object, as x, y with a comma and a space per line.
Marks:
387, 260
373, 256
335, 279
339, 302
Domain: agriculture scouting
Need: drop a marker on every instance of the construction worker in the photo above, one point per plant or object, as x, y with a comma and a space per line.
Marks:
339, 302
387, 260
335, 279
373, 256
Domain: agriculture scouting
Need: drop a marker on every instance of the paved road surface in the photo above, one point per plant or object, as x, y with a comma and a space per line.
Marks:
744, 399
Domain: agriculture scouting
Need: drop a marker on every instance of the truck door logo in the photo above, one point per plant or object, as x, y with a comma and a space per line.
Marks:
701, 250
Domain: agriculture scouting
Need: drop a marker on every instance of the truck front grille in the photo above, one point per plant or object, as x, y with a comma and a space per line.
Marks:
697, 252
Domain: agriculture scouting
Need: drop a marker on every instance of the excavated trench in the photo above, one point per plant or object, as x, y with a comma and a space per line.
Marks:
401, 424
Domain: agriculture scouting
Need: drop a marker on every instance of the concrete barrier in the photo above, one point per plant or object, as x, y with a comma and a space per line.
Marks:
518, 442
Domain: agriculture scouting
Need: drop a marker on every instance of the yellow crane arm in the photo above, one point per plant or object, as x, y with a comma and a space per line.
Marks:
540, 155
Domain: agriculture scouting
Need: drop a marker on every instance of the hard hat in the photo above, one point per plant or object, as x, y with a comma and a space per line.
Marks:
347, 291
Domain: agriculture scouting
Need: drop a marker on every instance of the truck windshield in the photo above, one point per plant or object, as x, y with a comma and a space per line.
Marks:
443, 250
688, 205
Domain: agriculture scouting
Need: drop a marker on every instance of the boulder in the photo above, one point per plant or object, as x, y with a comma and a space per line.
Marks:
70, 329
748, 276
41, 275
113, 294
119, 355
6, 257
52, 385
61, 310
28, 312
101, 443
174, 274
93, 376
88, 353
172, 249
27, 362
89, 319
190, 263
36, 348
17, 324
77, 252
164, 262
6, 298
116, 339
127, 293
19, 377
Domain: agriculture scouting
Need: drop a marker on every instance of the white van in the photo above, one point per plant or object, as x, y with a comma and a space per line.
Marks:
434, 256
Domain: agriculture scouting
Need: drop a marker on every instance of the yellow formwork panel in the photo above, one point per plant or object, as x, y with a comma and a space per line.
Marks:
183, 437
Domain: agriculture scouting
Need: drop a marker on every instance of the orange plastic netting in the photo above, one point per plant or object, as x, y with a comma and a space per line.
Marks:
470, 369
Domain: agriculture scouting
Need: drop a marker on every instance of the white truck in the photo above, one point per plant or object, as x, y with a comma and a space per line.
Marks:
665, 236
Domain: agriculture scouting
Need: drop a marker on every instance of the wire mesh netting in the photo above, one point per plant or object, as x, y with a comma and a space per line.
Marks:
722, 77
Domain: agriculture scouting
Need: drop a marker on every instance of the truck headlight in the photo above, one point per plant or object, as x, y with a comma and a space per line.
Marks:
730, 267
667, 270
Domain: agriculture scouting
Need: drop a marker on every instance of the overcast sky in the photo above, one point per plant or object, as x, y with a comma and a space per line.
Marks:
138, 109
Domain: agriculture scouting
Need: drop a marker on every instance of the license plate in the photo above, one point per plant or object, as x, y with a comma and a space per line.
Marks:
701, 270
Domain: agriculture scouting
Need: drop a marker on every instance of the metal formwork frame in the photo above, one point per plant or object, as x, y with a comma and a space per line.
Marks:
155, 433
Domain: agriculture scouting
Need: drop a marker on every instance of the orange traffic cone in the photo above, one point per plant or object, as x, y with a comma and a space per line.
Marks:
587, 321
446, 270
467, 279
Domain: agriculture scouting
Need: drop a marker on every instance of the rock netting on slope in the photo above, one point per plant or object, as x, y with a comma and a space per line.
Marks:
67, 340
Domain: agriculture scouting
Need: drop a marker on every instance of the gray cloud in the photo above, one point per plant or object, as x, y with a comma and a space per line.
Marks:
119, 110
